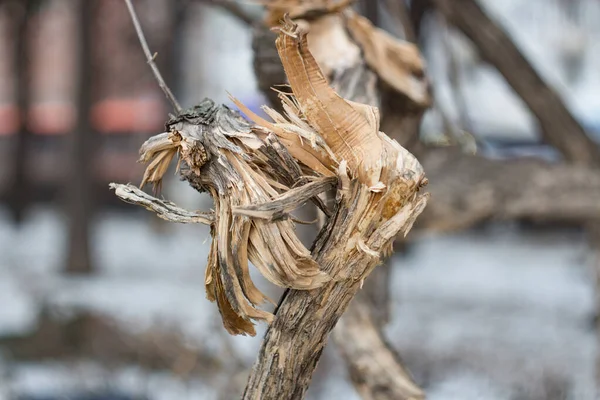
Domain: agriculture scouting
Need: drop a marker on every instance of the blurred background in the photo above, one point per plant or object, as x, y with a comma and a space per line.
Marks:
102, 300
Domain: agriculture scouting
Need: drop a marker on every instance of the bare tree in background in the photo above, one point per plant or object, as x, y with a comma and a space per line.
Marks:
79, 197
20, 188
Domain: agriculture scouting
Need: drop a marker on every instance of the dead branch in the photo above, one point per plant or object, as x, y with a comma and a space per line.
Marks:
282, 206
375, 370
242, 165
150, 57
559, 128
339, 56
467, 190
162, 208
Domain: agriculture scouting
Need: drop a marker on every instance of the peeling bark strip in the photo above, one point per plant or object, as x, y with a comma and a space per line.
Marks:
239, 166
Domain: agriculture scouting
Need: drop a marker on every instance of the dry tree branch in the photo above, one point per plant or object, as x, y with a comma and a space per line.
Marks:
384, 379
344, 249
282, 206
339, 55
150, 57
559, 128
468, 190
162, 208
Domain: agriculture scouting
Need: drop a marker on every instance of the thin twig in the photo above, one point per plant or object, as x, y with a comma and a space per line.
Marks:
150, 57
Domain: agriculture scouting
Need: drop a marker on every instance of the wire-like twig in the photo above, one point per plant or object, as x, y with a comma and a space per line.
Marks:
150, 58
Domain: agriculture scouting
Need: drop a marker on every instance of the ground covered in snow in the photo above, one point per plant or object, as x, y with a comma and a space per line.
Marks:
489, 314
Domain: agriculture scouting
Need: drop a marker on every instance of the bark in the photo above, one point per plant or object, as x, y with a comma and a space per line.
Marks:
79, 196
468, 190
558, 127
295, 340
162, 208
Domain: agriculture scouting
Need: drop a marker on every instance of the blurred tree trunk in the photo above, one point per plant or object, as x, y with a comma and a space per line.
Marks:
417, 11
79, 177
371, 10
558, 126
20, 188
375, 368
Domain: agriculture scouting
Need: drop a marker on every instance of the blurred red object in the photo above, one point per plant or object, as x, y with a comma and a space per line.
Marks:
111, 116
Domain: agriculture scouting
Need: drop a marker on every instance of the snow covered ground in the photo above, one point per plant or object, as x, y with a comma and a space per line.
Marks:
492, 314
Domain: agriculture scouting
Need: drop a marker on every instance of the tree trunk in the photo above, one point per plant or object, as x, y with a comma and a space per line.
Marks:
20, 189
295, 340
79, 196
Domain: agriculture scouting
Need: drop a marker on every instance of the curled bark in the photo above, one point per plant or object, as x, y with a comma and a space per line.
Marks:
342, 43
